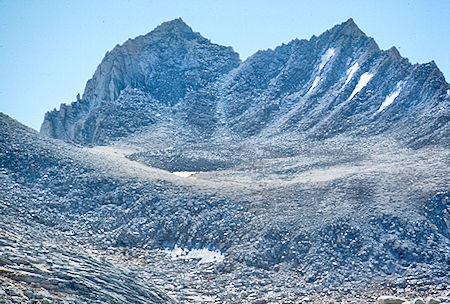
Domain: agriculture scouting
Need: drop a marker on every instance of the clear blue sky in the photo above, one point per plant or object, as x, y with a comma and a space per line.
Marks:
49, 49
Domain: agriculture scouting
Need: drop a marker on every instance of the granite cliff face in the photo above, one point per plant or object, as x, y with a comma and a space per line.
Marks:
318, 169
164, 66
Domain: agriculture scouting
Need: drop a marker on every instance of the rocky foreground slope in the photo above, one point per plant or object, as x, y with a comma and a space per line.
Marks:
317, 171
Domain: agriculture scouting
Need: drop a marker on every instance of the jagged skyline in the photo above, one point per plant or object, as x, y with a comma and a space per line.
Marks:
176, 70
65, 47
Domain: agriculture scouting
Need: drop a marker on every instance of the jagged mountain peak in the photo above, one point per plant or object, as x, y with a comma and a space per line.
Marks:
166, 64
174, 25
393, 51
348, 28
200, 84
177, 28
176, 32
341, 35
349, 32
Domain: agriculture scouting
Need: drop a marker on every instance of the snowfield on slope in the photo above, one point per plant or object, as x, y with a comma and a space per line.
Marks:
363, 81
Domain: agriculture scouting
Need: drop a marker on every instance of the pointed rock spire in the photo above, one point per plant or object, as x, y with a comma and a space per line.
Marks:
176, 27
349, 28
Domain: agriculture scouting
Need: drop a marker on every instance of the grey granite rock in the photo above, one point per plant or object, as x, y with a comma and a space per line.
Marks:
306, 87
297, 185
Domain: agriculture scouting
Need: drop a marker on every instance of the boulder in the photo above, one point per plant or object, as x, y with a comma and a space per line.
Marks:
390, 300
431, 300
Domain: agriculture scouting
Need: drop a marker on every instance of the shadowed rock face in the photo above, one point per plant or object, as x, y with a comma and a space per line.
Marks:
321, 169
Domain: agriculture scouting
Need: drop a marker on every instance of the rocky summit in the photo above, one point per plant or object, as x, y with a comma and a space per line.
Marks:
314, 172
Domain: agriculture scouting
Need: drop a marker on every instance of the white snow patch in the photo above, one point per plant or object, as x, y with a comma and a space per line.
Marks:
184, 173
390, 99
326, 57
314, 84
365, 78
352, 70
201, 299
204, 255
